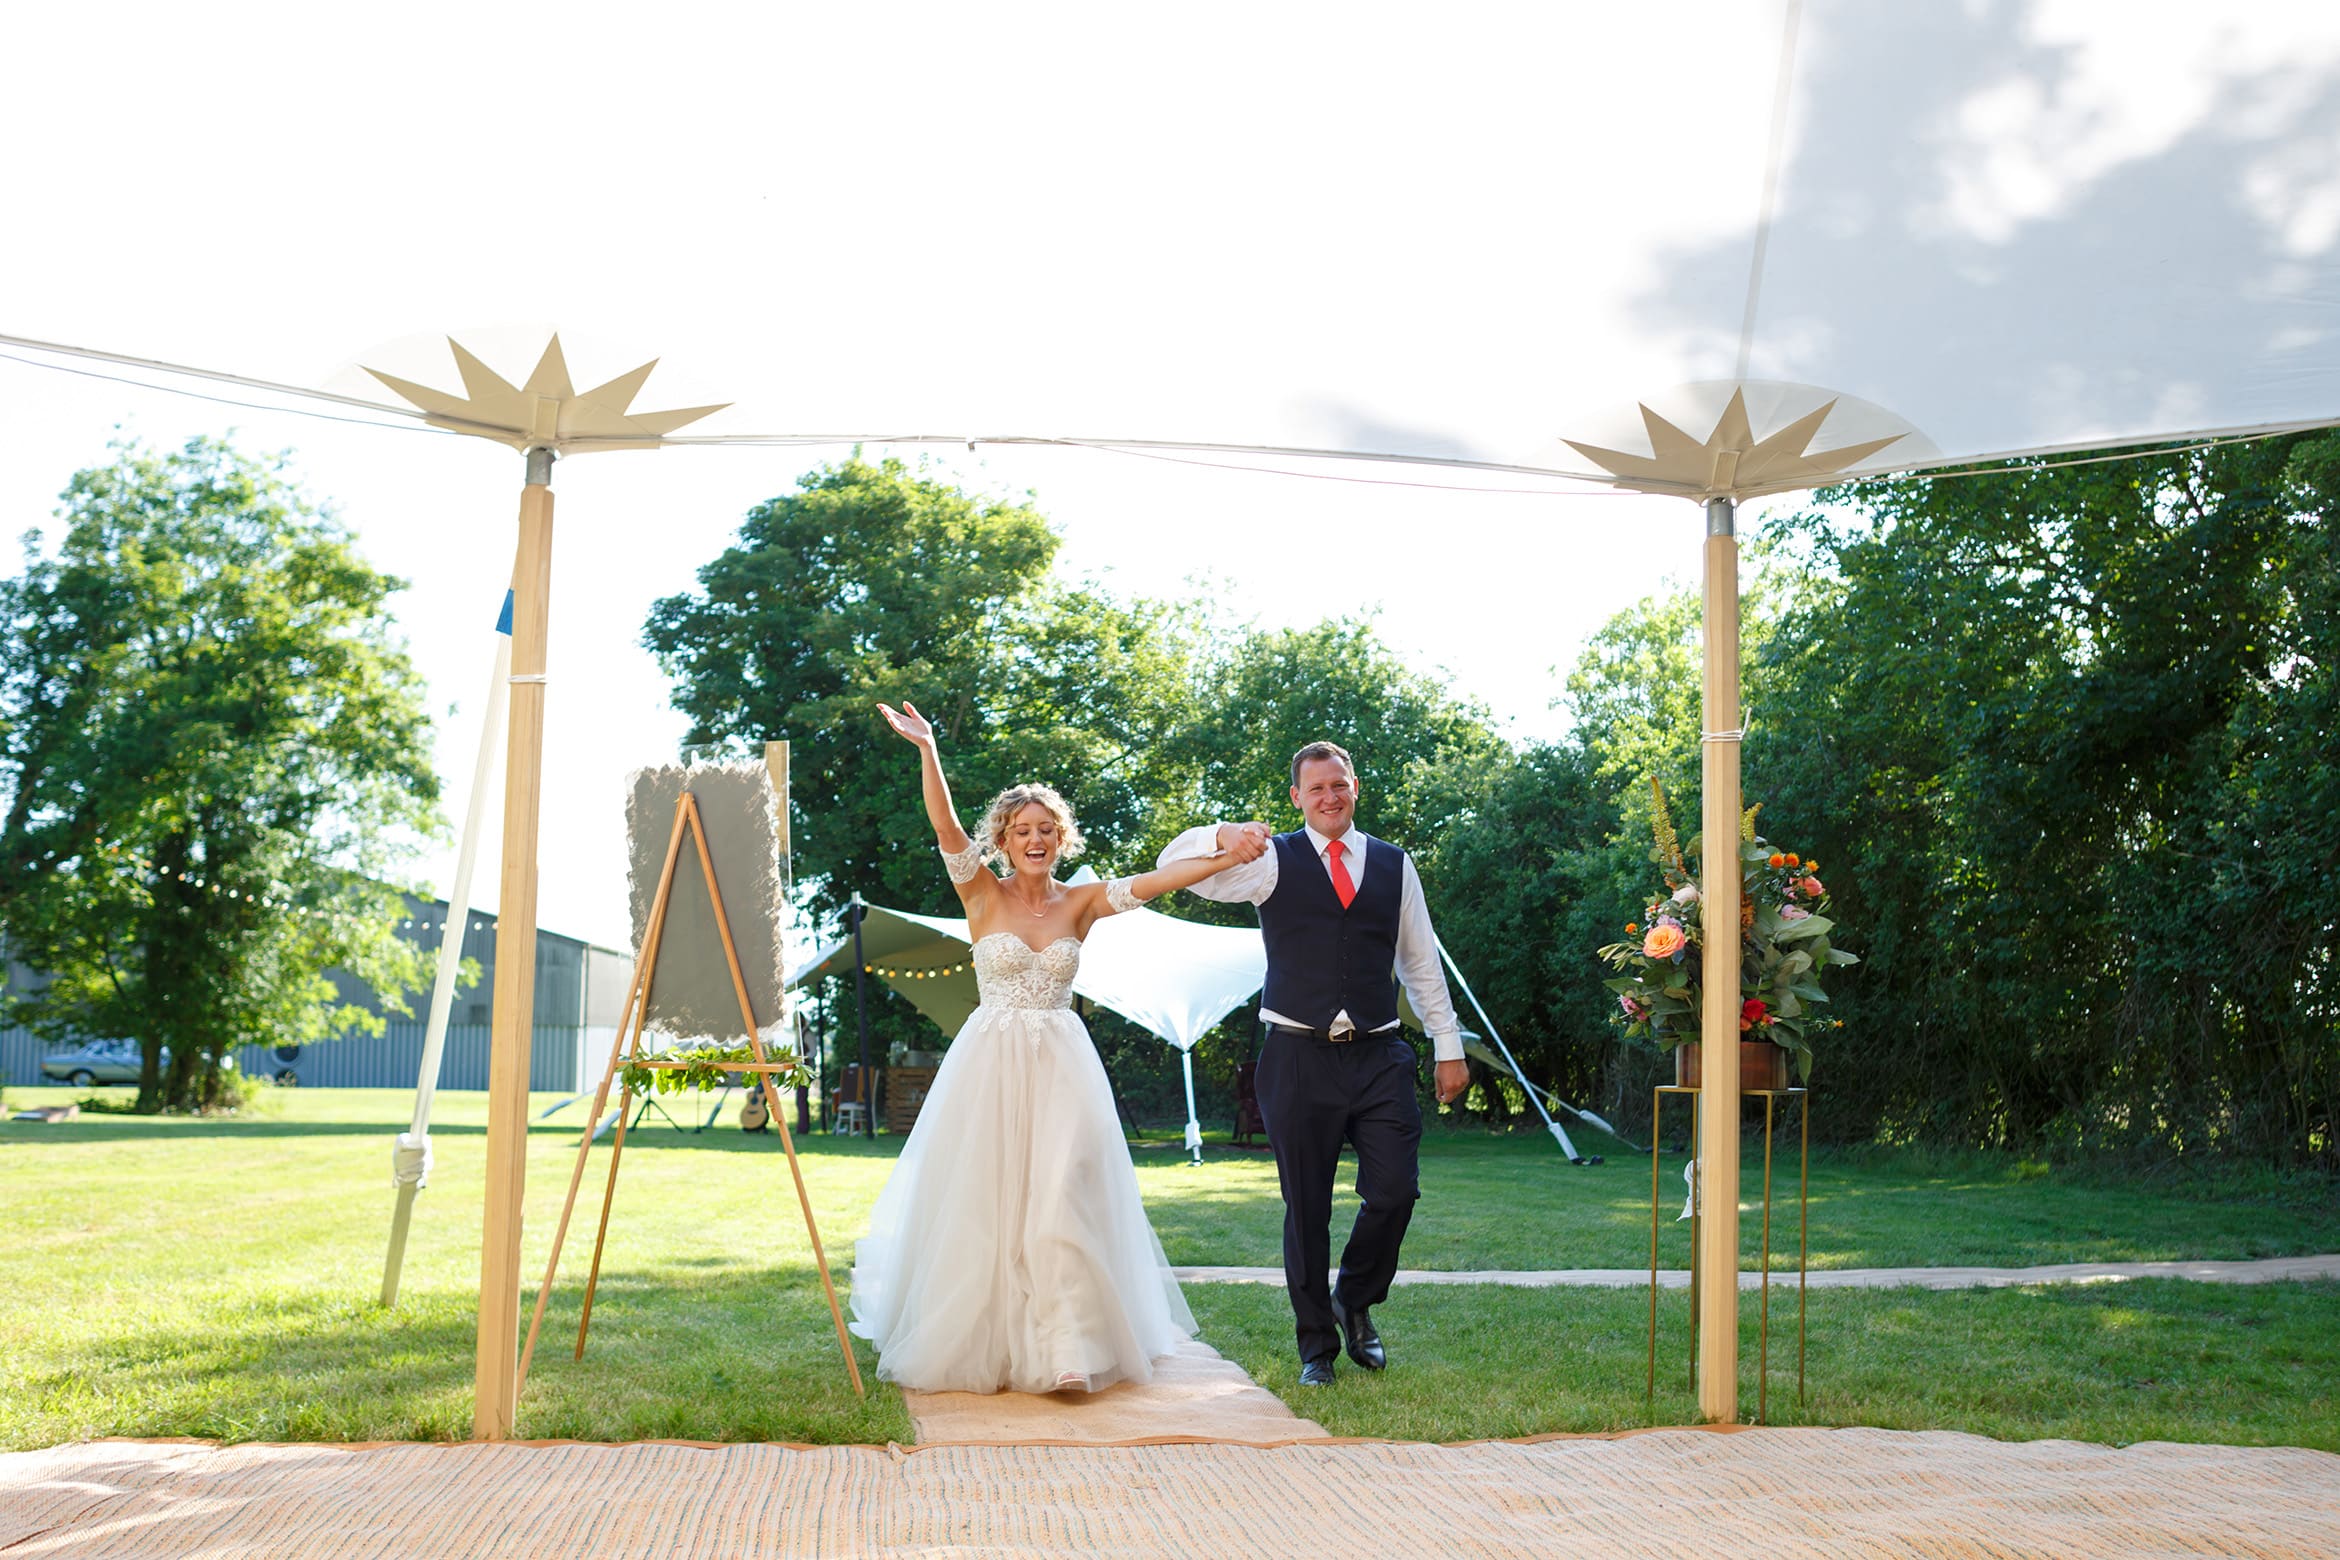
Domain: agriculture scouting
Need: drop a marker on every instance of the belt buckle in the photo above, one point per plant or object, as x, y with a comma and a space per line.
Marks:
1342, 1036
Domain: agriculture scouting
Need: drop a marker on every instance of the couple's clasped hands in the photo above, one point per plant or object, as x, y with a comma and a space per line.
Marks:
1244, 841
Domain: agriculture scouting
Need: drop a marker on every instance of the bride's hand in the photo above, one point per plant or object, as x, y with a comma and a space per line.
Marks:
908, 724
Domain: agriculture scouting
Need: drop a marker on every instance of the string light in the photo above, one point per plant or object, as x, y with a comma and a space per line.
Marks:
930, 972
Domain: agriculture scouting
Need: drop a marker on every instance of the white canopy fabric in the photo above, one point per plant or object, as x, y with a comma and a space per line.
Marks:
1465, 235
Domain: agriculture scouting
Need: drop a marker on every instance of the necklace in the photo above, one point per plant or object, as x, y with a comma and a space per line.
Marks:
1040, 914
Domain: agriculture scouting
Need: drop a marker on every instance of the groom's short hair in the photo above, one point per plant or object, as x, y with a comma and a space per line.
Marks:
1316, 750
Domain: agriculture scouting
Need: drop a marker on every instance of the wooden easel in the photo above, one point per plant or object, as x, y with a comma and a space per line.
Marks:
625, 1048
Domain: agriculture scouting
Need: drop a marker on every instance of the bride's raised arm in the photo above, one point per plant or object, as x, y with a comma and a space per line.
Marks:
963, 856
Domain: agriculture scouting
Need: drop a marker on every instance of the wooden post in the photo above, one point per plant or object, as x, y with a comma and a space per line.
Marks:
776, 764
1718, 1031
496, 1375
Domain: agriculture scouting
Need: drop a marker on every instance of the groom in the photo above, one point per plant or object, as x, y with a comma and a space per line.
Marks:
1342, 914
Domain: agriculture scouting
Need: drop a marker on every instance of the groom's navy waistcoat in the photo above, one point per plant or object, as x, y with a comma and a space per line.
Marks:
1321, 959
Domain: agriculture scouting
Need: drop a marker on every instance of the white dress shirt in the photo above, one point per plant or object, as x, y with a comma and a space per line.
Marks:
1418, 969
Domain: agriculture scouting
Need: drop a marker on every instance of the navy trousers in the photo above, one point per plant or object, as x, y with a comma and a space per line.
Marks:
1313, 1096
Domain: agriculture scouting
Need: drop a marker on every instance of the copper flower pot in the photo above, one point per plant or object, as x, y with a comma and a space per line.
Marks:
1762, 1065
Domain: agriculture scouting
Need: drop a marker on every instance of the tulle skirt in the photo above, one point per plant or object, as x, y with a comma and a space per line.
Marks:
1010, 1246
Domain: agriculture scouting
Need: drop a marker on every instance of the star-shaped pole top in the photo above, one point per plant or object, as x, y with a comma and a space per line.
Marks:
1731, 462
546, 413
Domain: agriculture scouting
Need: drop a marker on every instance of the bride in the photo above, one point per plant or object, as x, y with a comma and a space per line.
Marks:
1009, 1249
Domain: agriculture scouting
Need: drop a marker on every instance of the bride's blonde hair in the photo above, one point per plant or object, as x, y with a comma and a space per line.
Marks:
993, 829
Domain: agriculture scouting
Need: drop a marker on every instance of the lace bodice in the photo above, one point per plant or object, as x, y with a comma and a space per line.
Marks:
1009, 974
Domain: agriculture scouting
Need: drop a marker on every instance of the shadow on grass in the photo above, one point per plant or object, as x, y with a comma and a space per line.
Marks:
674, 1353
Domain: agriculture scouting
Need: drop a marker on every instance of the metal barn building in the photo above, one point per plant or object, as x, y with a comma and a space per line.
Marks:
580, 989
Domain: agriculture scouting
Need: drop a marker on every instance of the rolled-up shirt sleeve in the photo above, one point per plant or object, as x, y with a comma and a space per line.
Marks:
1246, 883
1419, 969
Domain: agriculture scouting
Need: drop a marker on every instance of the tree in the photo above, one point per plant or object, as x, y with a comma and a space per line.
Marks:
1526, 886
2065, 739
871, 582
1266, 693
211, 750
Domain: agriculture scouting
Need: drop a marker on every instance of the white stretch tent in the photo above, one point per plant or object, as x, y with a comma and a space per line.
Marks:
1464, 235
1172, 978
1706, 248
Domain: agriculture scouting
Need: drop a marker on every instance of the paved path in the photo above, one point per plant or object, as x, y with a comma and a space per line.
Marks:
2264, 1271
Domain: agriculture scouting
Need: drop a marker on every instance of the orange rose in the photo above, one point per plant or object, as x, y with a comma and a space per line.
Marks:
1792, 859
1664, 940
1777, 860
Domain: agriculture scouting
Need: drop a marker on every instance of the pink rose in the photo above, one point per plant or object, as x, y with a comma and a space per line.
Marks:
1811, 887
1794, 913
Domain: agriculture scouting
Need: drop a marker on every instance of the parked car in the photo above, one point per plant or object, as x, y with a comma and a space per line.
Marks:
99, 1061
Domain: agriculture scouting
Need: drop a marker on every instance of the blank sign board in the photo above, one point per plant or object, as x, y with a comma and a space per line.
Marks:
691, 994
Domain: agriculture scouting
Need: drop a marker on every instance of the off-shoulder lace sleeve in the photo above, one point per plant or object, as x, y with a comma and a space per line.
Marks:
963, 864
1121, 896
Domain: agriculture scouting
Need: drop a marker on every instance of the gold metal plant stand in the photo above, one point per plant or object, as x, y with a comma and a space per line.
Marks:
1771, 1099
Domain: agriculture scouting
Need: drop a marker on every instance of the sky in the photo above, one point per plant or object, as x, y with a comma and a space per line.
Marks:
1296, 227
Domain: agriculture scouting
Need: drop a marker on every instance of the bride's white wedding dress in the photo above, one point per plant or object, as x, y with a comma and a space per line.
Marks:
1009, 1249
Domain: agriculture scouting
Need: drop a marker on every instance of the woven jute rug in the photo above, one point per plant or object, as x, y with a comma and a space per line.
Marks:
1194, 1394
1684, 1493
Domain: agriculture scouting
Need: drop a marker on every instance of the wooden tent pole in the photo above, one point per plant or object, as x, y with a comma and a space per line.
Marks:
496, 1376
1718, 1063
637, 997
747, 1017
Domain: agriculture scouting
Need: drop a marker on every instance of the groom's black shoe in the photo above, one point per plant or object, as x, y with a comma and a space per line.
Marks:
1357, 1329
1316, 1373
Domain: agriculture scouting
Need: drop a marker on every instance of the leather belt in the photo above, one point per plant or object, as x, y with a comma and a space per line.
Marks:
1295, 1031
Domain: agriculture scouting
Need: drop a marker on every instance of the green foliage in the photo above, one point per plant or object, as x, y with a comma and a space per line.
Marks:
873, 583
210, 745
1268, 693
711, 1067
2065, 739
1521, 886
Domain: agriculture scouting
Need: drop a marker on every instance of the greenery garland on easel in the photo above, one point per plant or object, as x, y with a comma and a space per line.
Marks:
711, 1067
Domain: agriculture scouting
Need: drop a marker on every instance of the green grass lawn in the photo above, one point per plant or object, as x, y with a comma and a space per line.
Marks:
219, 1277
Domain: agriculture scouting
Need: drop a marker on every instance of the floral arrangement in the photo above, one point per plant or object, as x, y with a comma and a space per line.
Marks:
1784, 949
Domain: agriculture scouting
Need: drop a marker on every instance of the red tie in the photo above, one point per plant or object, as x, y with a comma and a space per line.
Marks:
1333, 851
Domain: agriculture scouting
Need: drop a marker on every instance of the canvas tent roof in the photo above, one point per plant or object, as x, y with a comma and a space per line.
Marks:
1472, 235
